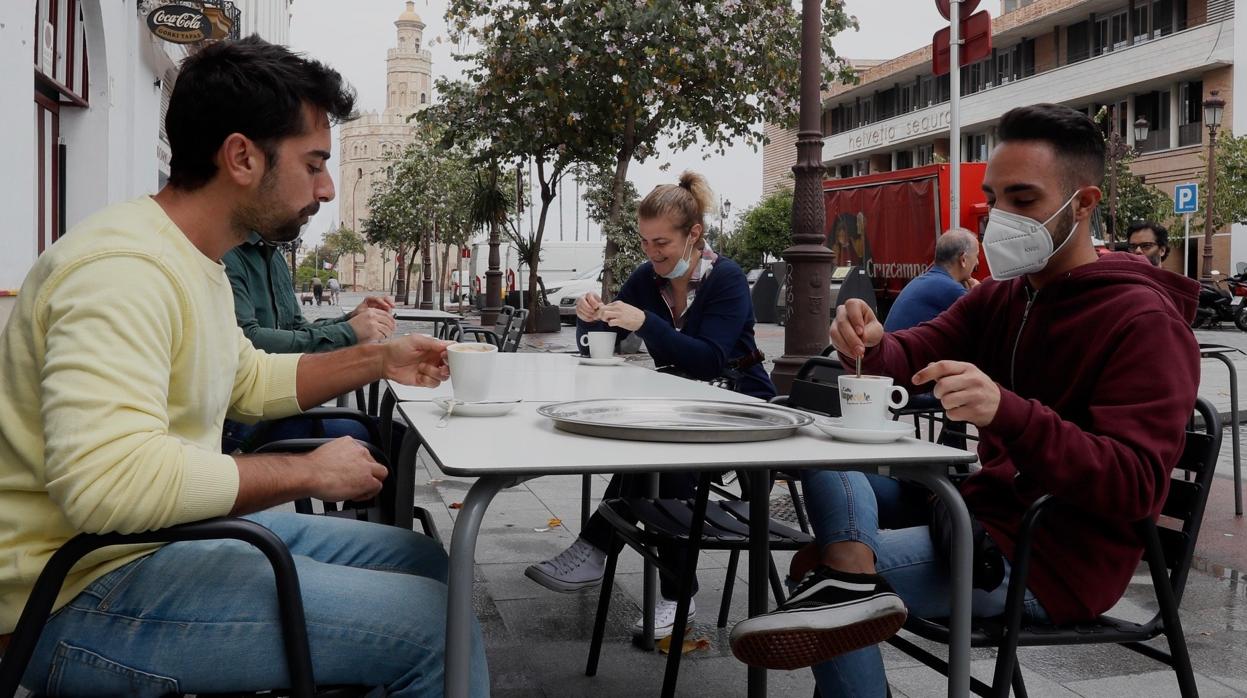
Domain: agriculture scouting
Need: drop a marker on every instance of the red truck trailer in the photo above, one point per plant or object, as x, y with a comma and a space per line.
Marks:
887, 223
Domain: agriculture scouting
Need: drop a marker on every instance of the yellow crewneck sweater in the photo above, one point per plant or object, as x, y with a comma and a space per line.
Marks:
117, 368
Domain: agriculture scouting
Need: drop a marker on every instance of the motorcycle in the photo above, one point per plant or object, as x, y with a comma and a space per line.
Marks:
1222, 300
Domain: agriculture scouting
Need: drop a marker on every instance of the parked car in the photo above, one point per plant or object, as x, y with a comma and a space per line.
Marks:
566, 294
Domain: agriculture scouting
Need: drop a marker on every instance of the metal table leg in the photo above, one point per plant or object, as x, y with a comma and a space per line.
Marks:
1238, 469
759, 557
962, 576
586, 485
459, 586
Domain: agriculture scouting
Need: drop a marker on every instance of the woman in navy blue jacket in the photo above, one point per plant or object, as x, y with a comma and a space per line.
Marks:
693, 309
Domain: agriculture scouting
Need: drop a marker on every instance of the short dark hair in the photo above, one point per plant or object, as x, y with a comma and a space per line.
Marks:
248, 86
1071, 133
1162, 235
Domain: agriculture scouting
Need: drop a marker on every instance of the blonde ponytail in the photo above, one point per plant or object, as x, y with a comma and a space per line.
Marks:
686, 203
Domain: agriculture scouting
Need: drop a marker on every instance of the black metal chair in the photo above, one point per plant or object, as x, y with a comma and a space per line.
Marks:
290, 604
382, 509
494, 335
696, 525
1167, 551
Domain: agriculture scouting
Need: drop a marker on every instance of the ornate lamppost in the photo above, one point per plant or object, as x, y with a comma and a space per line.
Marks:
808, 277
1214, 106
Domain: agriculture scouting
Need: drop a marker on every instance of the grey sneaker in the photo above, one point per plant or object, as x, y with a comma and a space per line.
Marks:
664, 618
579, 567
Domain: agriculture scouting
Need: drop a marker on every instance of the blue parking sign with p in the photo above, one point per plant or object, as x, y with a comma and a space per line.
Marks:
1186, 198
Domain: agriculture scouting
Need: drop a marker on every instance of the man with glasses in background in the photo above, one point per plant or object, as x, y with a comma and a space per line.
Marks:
1148, 239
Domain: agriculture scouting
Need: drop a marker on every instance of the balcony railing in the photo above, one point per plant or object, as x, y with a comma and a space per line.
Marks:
1191, 134
1157, 139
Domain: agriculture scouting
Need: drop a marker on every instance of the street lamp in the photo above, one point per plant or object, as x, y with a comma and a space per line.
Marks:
1213, 108
725, 208
359, 176
1117, 149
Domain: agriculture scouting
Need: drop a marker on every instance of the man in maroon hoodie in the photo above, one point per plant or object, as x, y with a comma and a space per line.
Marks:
1043, 360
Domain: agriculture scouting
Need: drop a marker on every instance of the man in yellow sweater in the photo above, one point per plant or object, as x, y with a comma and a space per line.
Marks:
117, 369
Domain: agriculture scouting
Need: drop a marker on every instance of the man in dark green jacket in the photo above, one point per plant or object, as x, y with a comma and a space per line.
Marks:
268, 311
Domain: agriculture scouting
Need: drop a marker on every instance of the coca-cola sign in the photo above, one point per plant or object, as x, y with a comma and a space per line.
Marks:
179, 24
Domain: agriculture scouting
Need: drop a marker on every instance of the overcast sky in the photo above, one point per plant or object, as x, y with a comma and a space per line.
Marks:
354, 37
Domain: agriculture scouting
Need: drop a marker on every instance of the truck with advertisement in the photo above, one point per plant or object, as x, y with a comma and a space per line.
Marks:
887, 223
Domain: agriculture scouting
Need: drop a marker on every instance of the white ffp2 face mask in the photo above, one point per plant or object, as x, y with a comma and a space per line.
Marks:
1015, 245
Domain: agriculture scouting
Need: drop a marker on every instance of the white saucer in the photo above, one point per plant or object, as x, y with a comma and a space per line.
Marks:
489, 408
891, 431
612, 361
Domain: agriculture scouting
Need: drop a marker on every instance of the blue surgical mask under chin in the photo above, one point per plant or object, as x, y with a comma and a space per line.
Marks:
681, 267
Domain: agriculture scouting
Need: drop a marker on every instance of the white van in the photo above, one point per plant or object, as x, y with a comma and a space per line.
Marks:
567, 293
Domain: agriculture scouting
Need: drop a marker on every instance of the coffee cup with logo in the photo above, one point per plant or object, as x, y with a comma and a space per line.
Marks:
601, 344
864, 401
471, 369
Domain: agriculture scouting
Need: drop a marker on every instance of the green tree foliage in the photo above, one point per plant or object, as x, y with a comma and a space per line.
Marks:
595, 81
1136, 199
622, 234
342, 241
1230, 201
765, 228
313, 264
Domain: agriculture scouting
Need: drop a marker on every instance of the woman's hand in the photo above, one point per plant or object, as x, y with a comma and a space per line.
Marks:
620, 314
589, 307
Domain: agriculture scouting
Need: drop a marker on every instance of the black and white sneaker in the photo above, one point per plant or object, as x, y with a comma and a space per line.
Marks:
830, 613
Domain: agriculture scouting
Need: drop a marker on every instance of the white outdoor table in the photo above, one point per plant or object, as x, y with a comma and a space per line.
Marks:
459, 450
536, 377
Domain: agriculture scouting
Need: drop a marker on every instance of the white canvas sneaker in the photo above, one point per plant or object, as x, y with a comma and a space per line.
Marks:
664, 618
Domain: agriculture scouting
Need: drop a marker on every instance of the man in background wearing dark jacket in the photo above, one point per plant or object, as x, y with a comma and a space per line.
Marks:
1043, 360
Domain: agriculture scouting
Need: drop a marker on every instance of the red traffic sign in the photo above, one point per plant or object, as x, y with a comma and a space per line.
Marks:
976, 37
967, 7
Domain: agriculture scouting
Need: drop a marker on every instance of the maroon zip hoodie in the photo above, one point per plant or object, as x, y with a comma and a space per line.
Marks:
1098, 373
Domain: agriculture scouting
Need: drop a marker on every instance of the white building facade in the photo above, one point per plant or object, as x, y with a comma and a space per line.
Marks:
91, 135
369, 142
1156, 59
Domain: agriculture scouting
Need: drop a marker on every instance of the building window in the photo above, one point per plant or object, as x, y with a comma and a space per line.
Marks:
845, 171
424, 98
1153, 106
904, 159
61, 81
1078, 42
975, 149
925, 154
861, 167
1111, 32
1191, 113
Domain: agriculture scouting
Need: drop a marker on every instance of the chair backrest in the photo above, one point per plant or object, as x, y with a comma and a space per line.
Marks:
502, 325
1188, 495
815, 388
511, 340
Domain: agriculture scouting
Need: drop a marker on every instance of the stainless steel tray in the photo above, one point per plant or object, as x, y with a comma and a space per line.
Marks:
652, 419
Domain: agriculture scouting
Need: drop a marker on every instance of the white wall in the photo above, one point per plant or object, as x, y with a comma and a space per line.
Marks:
17, 113
268, 18
111, 146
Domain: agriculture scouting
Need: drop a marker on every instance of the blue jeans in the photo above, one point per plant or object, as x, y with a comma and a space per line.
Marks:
201, 617
891, 518
236, 435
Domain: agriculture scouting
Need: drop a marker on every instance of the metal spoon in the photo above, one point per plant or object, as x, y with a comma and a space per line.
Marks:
859, 367
450, 407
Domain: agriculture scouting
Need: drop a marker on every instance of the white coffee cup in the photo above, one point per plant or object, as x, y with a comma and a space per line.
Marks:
601, 344
864, 401
471, 369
